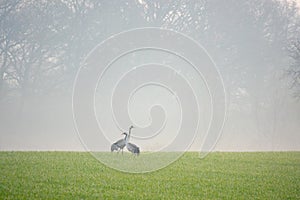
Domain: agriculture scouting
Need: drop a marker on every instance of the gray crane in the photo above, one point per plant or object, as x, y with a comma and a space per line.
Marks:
120, 144
131, 147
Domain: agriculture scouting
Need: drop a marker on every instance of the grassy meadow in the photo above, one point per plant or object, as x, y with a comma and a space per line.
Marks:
78, 175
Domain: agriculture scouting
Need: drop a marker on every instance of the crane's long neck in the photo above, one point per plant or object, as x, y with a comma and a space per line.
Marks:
129, 132
126, 138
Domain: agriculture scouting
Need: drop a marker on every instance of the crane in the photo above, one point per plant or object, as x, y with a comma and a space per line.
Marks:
120, 144
130, 146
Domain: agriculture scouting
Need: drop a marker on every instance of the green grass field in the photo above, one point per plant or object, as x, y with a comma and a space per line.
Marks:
72, 175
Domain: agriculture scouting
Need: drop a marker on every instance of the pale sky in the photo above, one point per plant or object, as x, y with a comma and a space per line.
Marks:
162, 94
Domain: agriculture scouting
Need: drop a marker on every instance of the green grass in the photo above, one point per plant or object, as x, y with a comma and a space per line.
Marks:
72, 175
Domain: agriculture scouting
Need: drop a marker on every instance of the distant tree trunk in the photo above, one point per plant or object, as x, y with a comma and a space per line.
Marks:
294, 70
2, 71
24, 91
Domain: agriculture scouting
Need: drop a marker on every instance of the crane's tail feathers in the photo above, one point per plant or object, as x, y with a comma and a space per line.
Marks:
138, 151
113, 147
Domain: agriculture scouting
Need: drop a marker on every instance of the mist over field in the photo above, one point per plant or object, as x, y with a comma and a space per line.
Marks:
254, 45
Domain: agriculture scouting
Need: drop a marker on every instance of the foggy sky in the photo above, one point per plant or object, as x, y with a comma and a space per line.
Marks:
261, 115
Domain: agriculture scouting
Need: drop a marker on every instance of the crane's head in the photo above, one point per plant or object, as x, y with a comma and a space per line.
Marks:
124, 133
131, 127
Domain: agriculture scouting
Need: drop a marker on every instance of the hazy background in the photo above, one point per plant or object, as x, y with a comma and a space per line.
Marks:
254, 43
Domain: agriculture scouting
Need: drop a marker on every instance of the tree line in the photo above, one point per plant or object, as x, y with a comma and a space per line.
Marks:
42, 43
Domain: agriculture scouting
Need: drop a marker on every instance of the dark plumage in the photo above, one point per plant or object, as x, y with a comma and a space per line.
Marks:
133, 148
118, 145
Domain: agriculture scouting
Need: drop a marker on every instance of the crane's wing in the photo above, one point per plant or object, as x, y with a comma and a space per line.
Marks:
114, 147
120, 143
132, 145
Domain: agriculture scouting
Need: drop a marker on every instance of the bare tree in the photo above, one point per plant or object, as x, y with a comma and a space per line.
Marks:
294, 69
8, 44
